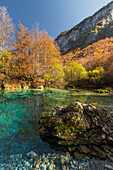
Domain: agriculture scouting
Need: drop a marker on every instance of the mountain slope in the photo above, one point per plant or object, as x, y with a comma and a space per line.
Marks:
92, 29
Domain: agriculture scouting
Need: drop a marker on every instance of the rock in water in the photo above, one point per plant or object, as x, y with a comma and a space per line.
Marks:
80, 125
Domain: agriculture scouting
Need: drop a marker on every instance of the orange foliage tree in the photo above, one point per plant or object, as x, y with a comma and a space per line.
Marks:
34, 53
22, 53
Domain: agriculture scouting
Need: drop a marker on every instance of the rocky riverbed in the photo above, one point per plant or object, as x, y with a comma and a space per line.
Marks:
56, 161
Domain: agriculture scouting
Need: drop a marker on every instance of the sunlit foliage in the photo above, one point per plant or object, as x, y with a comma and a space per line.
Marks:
55, 76
74, 73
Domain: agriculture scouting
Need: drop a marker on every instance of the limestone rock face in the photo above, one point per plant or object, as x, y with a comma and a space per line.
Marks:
89, 30
79, 126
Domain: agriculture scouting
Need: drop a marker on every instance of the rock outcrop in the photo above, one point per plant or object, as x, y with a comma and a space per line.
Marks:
88, 31
82, 128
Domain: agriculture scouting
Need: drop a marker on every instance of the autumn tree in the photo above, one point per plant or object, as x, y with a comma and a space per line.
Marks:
74, 73
6, 37
33, 52
23, 53
7, 67
48, 52
45, 51
36, 46
6, 29
96, 75
55, 76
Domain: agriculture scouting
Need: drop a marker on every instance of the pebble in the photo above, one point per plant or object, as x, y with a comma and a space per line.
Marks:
27, 164
43, 167
49, 168
109, 167
12, 156
32, 154
48, 162
74, 162
63, 167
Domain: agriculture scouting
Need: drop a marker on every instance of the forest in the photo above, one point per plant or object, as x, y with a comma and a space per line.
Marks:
32, 58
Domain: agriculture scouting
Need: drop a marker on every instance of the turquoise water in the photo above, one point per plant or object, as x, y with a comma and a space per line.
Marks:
20, 112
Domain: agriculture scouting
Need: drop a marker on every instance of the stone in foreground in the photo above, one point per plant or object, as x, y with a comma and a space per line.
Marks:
81, 126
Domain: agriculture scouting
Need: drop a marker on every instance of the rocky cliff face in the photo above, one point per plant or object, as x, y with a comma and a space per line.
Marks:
88, 31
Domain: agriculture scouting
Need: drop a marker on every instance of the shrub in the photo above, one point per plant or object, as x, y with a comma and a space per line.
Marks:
55, 75
74, 73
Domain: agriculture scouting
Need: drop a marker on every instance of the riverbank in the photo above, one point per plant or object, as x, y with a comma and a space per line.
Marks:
94, 89
20, 87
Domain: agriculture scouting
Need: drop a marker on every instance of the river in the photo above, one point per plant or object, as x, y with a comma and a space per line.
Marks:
20, 112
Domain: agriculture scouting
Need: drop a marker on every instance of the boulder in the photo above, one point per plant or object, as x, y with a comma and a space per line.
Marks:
82, 126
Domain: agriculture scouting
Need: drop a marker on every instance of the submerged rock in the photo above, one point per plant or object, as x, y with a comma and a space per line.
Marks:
81, 126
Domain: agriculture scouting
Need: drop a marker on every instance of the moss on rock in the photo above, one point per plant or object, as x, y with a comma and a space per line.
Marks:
78, 126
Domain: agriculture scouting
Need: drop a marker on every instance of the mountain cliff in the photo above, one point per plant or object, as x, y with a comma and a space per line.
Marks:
92, 29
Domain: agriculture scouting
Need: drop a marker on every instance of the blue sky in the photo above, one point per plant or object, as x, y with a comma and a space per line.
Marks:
55, 16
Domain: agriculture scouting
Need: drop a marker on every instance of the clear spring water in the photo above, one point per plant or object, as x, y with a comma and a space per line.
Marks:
20, 111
